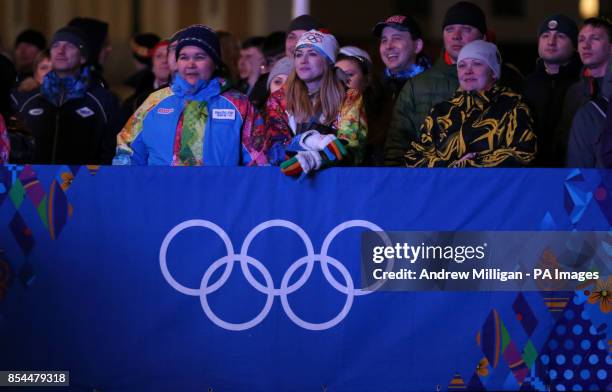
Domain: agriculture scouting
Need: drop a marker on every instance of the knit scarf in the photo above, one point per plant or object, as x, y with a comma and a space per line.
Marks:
411, 72
60, 90
189, 137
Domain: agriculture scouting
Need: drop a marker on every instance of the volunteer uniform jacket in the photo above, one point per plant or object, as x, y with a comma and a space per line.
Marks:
232, 135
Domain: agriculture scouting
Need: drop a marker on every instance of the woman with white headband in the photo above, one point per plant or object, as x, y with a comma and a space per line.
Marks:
313, 121
482, 125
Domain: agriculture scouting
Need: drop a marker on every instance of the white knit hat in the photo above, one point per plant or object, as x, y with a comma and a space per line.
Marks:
353, 51
484, 51
325, 44
283, 66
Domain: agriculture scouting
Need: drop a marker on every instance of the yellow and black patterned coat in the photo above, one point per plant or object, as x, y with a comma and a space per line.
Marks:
495, 126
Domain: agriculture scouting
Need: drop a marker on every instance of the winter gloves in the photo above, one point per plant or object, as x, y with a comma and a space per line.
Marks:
313, 151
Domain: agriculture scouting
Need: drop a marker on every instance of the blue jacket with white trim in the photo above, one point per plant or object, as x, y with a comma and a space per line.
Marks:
229, 137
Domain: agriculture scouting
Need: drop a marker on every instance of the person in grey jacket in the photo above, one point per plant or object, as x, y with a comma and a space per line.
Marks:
585, 138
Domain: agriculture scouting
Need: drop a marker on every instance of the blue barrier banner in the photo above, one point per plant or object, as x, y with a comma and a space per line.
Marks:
241, 279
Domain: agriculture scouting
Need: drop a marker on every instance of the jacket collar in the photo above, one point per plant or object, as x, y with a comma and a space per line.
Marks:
569, 70
411, 72
442, 66
203, 90
479, 98
60, 90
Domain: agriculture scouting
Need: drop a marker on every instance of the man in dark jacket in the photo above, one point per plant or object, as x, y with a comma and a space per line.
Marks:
251, 63
273, 49
557, 68
463, 23
594, 47
605, 147
586, 139
73, 121
400, 48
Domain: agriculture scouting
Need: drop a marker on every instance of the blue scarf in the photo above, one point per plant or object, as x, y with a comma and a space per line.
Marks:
411, 72
203, 90
61, 90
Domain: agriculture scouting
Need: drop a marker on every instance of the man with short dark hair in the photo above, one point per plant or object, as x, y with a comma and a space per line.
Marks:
273, 49
595, 48
463, 23
400, 44
587, 139
73, 120
251, 63
557, 68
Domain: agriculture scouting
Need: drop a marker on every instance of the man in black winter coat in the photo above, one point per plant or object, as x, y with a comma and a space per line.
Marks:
595, 48
605, 148
73, 120
557, 68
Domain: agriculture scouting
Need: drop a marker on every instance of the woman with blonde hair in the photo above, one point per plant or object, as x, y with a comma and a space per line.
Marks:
42, 66
313, 121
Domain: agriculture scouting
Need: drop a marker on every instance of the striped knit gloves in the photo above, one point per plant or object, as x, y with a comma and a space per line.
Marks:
313, 152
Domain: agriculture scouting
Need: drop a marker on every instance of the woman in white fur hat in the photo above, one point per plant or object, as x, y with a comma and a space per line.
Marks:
482, 125
313, 121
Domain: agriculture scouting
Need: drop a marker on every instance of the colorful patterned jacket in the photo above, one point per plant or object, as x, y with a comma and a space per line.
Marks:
350, 125
496, 126
231, 128
5, 147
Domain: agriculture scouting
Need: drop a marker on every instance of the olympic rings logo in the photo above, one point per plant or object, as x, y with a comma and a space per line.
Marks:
285, 289
313, 37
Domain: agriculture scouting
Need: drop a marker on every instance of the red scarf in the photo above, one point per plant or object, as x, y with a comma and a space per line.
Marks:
591, 81
447, 58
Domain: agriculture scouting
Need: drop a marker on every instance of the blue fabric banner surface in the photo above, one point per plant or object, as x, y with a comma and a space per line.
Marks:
242, 279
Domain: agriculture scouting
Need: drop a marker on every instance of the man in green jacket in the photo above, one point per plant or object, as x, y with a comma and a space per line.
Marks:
463, 23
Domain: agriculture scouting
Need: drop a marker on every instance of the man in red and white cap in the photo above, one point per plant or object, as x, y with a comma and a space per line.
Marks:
463, 23
400, 47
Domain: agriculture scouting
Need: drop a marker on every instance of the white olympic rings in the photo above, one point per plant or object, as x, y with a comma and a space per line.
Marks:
268, 289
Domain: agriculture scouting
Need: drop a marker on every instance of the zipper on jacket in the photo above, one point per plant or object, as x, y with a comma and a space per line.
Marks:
57, 124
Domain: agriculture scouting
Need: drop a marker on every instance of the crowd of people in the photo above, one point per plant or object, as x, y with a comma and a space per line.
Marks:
301, 101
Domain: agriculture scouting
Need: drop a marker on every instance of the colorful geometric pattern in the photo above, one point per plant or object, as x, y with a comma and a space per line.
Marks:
579, 195
576, 355
20, 183
576, 198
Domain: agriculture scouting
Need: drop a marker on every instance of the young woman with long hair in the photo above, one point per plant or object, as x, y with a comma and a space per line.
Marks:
314, 121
